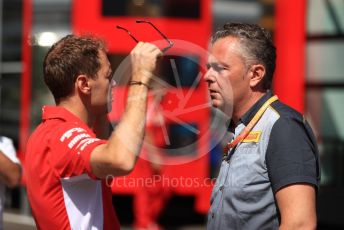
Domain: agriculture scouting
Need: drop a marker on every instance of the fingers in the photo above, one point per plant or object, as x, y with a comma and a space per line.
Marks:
143, 59
146, 48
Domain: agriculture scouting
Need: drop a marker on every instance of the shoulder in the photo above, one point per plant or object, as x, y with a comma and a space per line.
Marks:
278, 113
70, 133
291, 127
286, 112
56, 132
279, 119
292, 154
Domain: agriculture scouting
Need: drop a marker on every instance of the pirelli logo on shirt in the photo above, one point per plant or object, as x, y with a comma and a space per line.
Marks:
253, 136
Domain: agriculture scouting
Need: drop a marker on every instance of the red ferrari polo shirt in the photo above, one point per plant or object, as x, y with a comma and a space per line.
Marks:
63, 192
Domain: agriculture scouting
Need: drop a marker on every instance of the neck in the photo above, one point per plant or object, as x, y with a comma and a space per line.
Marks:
78, 109
242, 106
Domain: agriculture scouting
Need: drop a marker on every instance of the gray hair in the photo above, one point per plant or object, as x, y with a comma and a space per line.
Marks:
257, 46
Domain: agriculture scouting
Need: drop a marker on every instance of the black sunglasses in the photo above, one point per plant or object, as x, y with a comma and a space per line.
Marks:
170, 43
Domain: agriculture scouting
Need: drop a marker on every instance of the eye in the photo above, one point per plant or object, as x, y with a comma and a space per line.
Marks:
216, 67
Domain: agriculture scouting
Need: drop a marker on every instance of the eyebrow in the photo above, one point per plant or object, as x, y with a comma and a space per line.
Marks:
217, 64
223, 64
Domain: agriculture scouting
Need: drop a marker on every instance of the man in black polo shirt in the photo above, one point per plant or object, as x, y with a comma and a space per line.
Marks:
270, 171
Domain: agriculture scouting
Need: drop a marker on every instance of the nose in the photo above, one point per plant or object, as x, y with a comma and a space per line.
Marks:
209, 76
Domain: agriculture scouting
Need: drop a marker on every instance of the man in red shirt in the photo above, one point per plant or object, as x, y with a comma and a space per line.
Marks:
66, 158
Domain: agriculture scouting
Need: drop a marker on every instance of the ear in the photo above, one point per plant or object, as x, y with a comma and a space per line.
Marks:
257, 73
82, 84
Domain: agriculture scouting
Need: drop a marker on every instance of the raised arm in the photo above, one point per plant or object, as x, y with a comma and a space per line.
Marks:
119, 155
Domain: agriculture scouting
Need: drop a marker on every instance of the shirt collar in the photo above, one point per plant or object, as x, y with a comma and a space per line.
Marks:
246, 118
58, 112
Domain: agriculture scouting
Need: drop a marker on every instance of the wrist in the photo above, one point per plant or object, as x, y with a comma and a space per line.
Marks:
139, 83
143, 76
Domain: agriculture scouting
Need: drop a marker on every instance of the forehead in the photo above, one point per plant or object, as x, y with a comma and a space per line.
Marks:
103, 58
225, 49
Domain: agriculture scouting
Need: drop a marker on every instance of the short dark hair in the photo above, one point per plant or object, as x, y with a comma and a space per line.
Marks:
69, 57
256, 43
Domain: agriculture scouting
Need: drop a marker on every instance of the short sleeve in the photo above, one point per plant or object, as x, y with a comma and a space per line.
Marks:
71, 148
291, 155
7, 148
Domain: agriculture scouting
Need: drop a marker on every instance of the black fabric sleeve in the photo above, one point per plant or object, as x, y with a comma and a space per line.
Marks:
291, 156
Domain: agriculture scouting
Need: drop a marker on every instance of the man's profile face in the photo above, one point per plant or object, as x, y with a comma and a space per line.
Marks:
226, 75
101, 94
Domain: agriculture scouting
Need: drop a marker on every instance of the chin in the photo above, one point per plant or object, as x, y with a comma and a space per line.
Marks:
216, 104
